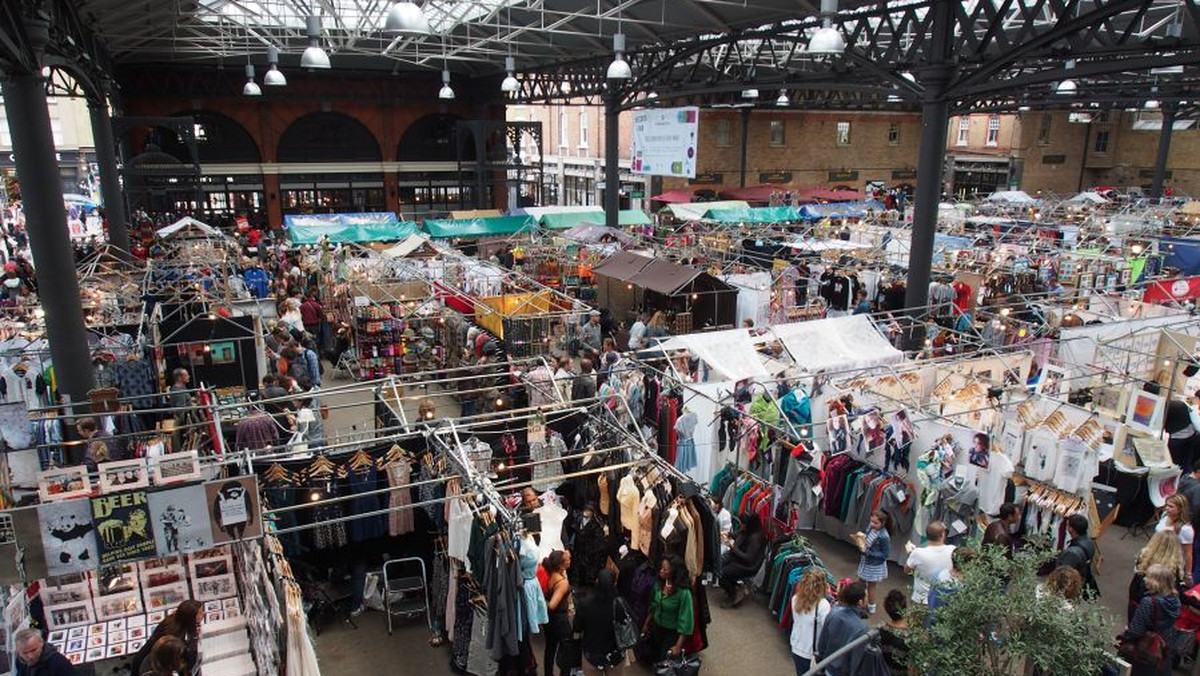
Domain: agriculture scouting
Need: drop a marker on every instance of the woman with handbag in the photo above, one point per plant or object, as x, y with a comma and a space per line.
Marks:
1147, 642
594, 622
670, 621
810, 607
558, 604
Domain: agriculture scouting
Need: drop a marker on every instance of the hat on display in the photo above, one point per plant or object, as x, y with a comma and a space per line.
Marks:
409, 334
427, 333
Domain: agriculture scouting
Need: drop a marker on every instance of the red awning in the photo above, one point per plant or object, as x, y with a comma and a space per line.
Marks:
827, 195
674, 197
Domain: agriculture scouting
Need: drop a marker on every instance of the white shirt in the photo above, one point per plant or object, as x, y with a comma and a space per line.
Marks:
927, 563
993, 482
725, 526
802, 638
1187, 534
637, 334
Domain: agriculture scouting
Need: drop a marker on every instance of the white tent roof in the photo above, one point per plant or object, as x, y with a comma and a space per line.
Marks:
694, 211
406, 247
1011, 197
538, 212
836, 344
188, 223
730, 353
1088, 196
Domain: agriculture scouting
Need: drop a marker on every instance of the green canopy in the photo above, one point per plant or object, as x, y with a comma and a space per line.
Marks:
360, 233
478, 227
566, 221
754, 215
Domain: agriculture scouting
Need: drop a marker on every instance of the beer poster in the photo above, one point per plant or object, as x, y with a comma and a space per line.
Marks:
123, 531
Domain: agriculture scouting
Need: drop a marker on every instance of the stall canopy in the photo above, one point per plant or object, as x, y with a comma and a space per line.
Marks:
1182, 253
1088, 197
188, 227
674, 197
1012, 198
596, 233
621, 266
731, 354
826, 195
815, 212
348, 228
539, 212
475, 213
754, 215
565, 221
695, 212
837, 344
1191, 208
413, 244
665, 277
498, 226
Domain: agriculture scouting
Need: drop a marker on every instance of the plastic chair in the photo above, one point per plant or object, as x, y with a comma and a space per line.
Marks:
405, 590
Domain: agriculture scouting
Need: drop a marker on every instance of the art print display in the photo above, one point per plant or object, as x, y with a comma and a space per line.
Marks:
1055, 383
1074, 469
981, 449
1145, 412
1151, 450
1111, 400
234, 509
63, 483
900, 435
1041, 454
872, 441
68, 537
181, 520
122, 475
123, 526
838, 428
173, 468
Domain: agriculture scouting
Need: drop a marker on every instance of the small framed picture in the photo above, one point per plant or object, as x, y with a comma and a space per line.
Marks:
70, 614
135, 646
97, 641
174, 468
117, 636
75, 657
97, 629
94, 655
123, 475
76, 645
58, 636
155, 617
76, 632
136, 633
1145, 412
116, 625
136, 621
1054, 383
115, 650
61, 483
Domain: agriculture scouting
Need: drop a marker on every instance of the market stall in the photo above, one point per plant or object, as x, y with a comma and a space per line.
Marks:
626, 282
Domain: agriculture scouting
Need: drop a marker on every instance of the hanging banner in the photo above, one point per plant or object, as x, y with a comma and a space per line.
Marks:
664, 141
1184, 288
122, 522
233, 504
68, 537
181, 521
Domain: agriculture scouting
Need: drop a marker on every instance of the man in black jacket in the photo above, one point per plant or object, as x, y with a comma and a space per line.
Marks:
1080, 551
35, 658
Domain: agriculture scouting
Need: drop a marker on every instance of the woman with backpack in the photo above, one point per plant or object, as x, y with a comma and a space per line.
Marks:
1154, 618
597, 618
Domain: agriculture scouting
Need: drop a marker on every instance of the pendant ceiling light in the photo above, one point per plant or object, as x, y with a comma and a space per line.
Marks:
314, 57
406, 18
749, 93
827, 39
783, 99
1066, 88
251, 87
273, 77
510, 83
446, 93
1151, 104
619, 69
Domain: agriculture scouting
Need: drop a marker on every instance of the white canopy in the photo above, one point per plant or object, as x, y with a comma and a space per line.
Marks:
406, 247
1014, 197
837, 344
1088, 197
694, 211
730, 353
186, 225
538, 212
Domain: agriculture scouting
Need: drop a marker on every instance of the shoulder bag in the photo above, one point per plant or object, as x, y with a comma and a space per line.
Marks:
1149, 649
624, 629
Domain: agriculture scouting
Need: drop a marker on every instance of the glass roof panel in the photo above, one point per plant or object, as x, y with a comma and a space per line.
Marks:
356, 15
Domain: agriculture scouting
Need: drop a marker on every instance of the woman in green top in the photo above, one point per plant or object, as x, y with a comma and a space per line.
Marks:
670, 621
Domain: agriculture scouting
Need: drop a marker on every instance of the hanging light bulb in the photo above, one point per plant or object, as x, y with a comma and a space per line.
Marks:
827, 39
749, 93
446, 93
510, 83
406, 18
273, 77
619, 69
251, 88
314, 57
1151, 104
783, 99
1066, 88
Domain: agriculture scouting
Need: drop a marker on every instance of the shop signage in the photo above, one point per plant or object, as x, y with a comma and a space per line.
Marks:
836, 176
775, 177
1181, 289
637, 194
1054, 159
664, 141
904, 175
1149, 173
707, 178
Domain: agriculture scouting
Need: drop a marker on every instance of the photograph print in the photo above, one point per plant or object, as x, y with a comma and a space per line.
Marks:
181, 520
68, 538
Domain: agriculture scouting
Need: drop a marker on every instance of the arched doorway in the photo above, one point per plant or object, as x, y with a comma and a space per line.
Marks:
330, 138
238, 189
445, 179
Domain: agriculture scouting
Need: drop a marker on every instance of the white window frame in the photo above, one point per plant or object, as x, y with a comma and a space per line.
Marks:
843, 131
894, 134
1107, 136
964, 131
564, 139
993, 132
583, 129
724, 133
771, 128
1046, 126
56, 131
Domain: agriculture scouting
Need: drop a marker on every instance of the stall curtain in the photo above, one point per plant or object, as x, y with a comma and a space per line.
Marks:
754, 296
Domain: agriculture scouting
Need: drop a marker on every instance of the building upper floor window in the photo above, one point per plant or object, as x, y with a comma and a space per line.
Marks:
843, 133
993, 131
777, 139
1101, 145
724, 133
5, 135
1043, 138
893, 134
563, 137
964, 131
583, 130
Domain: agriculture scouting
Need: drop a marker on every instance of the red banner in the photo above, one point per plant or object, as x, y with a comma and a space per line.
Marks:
1184, 288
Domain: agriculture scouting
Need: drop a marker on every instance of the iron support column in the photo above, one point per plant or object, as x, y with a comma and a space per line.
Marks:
745, 144
612, 154
1164, 150
46, 222
110, 182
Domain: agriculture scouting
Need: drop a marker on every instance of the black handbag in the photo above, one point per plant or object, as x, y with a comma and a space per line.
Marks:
624, 628
570, 654
684, 665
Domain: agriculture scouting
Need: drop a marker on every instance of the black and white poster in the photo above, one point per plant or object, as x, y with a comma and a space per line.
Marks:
233, 504
122, 527
180, 520
68, 537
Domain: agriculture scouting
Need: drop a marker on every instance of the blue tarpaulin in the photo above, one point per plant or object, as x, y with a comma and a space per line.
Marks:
1182, 253
815, 212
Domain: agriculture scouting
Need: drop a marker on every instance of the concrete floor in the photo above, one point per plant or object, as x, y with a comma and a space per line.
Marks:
743, 640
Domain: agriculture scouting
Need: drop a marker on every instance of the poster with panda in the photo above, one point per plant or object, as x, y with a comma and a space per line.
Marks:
123, 527
181, 520
68, 537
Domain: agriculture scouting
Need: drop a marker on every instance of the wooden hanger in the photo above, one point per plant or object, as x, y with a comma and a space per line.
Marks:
321, 468
361, 460
394, 455
277, 474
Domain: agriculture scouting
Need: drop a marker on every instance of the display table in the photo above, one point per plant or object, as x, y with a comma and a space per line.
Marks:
119, 638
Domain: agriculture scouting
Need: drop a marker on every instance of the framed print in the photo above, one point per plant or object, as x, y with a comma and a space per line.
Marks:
181, 519
233, 504
122, 475
175, 468
1054, 383
1110, 400
1145, 412
62, 483
1151, 450
69, 615
214, 588
68, 537
224, 352
123, 527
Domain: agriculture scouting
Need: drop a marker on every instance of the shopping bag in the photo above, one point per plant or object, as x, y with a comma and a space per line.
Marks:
684, 665
373, 591
570, 654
